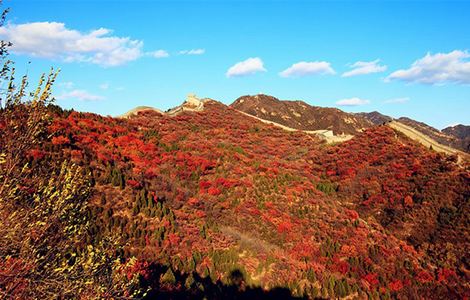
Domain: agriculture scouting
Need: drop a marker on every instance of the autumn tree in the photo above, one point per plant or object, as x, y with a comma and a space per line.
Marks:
44, 214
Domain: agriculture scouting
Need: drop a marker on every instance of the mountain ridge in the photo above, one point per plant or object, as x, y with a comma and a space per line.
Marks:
281, 113
192, 103
300, 115
457, 137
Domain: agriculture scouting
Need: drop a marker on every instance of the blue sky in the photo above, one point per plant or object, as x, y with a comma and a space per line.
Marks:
407, 58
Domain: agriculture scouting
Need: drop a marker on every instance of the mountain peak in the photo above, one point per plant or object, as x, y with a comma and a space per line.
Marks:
375, 117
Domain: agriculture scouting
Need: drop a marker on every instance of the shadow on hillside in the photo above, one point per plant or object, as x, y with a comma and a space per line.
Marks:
204, 288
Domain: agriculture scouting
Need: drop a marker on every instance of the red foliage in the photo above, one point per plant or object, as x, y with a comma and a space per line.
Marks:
270, 187
371, 278
200, 214
395, 286
342, 267
37, 154
226, 183
60, 140
445, 274
76, 155
352, 214
424, 277
139, 267
213, 191
14, 274
204, 184
331, 172
284, 227
408, 201
193, 201
174, 239
133, 183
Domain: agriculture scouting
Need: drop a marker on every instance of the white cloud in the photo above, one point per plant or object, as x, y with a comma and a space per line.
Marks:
437, 68
67, 84
80, 95
397, 100
104, 86
352, 102
247, 67
365, 67
193, 52
54, 41
308, 68
159, 54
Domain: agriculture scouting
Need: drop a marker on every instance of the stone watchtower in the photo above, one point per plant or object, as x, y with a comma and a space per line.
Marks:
192, 101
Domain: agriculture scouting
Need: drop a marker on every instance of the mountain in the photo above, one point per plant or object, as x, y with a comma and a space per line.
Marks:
428, 130
375, 117
457, 137
462, 133
459, 131
334, 125
300, 115
451, 137
210, 202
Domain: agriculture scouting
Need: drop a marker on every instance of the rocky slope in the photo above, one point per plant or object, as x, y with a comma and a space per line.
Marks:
300, 115
462, 133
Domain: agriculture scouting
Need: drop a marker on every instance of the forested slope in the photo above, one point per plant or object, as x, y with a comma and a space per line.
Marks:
217, 203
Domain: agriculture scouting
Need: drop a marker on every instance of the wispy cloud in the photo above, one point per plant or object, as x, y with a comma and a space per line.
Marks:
79, 95
67, 84
303, 68
355, 101
159, 53
104, 86
397, 100
437, 68
365, 67
247, 67
192, 52
54, 41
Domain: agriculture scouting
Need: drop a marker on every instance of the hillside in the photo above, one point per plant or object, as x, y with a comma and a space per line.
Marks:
300, 115
457, 137
462, 133
459, 131
427, 141
430, 131
216, 203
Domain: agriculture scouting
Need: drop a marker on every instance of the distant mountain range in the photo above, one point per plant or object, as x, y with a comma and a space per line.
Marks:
302, 116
